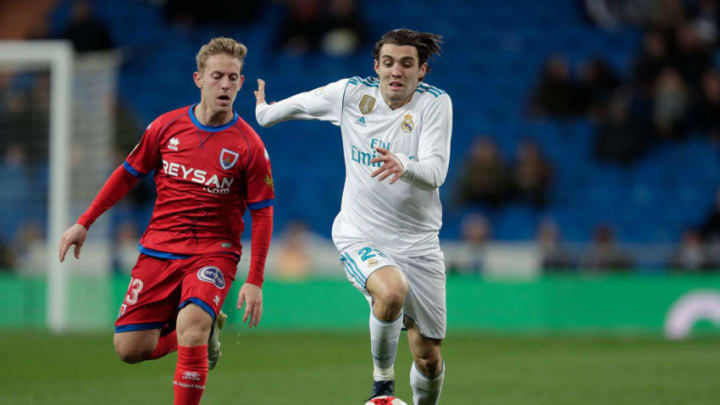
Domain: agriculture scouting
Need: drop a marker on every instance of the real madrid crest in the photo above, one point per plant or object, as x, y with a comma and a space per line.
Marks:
407, 124
367, 103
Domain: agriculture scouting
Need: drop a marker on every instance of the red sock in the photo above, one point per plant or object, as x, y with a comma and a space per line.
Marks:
190, 374
166, 344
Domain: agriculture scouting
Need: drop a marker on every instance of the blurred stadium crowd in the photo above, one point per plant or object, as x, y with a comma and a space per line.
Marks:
589, 128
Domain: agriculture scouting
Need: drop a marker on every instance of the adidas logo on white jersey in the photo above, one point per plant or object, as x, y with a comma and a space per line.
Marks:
360, 121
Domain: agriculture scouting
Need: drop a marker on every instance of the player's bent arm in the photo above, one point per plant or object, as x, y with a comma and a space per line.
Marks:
323, 104
116, 186
114, 189
429, 169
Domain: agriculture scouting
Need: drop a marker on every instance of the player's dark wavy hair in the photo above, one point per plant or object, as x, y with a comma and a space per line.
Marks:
426, 43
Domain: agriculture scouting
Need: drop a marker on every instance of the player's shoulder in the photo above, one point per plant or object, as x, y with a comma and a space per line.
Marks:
430, 93
164, 119
248, 134
359, 82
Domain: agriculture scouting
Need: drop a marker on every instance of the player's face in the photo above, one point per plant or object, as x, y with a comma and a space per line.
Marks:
219, 82
398, 68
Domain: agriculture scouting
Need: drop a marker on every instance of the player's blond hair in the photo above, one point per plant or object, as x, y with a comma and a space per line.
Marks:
220, 45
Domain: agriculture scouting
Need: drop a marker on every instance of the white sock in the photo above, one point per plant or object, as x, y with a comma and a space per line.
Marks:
426, 391
384, 338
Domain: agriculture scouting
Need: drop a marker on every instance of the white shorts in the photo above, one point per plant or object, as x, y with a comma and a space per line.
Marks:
425, 301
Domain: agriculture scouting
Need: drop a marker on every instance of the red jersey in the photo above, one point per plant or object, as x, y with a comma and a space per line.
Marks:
205, 178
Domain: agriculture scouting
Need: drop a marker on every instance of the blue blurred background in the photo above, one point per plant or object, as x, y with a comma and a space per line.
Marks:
586, 127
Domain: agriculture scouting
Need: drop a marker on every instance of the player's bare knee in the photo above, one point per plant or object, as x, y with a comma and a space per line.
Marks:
430, 366
129, 353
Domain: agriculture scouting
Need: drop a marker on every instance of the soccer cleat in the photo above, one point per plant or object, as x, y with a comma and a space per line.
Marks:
383, 388
214, 341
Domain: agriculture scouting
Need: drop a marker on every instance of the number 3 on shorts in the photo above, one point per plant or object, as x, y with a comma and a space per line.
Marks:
135, 287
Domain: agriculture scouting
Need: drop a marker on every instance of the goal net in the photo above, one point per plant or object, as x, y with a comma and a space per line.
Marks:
57, 118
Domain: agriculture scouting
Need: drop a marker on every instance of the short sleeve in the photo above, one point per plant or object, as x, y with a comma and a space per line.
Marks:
145, 157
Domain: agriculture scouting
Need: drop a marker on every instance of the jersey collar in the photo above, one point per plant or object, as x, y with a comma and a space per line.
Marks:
193, 118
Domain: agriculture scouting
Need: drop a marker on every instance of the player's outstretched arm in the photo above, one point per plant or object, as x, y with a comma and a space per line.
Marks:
75, 235
251, 296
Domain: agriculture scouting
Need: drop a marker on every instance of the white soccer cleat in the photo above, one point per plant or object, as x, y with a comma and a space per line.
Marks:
214, 352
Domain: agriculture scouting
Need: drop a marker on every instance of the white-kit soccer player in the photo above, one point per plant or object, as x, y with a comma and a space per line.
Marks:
393, 127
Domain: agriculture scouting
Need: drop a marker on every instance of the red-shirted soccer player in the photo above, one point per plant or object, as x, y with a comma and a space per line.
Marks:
209, 166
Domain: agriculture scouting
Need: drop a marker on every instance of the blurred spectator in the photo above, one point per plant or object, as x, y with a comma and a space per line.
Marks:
604, 253
29, 248
86, 33
484, 178
302, 28
294, 257
531, 174
610, 14
653, 58
556, 94
7, 258
691, 55
125, 245
666, 14
704, 18
475, 237
554, 256
597, 83
333, 26
707, 110
670, 105
690, 256
192, 12
619, 137
344, 29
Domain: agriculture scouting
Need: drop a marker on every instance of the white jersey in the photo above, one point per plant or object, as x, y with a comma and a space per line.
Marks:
402, 218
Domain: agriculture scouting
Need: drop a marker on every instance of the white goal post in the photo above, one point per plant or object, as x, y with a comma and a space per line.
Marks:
57, 56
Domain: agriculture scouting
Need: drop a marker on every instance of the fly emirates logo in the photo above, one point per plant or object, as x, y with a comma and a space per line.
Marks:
214, 184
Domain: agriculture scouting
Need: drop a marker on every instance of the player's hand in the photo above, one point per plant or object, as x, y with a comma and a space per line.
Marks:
391, 166
260, 92
251, 295
75, 235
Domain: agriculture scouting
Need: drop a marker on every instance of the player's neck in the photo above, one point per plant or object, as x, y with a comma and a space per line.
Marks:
394, 105
210, 118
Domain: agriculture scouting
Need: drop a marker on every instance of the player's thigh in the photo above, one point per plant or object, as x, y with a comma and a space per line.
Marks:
207, 280
425, 303
152, 296
135, 346
361, 260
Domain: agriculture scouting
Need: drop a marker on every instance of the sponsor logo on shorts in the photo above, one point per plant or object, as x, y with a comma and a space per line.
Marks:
212, 275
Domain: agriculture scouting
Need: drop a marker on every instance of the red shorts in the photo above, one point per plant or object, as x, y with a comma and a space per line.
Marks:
159, 288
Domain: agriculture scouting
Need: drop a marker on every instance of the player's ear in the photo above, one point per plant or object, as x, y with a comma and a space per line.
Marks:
423, 70
376, 65
241, 80
196, 79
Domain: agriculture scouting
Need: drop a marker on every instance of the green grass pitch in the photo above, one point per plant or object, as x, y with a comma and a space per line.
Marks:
260, 367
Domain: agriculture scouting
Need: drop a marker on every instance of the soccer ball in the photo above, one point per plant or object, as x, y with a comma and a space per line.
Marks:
385, 400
